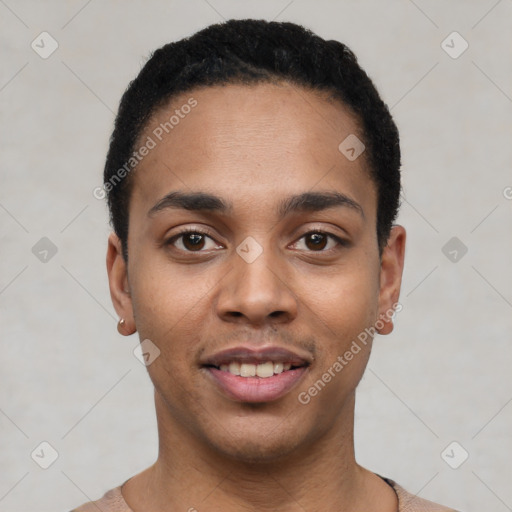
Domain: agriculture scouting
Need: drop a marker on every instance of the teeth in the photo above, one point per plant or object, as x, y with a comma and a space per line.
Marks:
234, 368
263, 370
278, 368
247, 370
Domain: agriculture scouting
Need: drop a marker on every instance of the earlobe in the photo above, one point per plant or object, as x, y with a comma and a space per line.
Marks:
391, 269
119, 286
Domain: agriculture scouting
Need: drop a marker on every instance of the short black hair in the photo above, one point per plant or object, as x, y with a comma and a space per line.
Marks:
249, 52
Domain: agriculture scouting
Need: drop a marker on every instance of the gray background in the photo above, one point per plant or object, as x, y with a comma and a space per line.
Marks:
69, 379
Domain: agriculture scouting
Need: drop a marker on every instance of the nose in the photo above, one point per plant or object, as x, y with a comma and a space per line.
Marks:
257, 293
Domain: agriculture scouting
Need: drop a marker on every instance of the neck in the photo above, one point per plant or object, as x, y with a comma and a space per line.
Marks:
190, 474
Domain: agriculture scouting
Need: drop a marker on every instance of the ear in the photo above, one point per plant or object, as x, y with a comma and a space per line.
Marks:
119, 286
391, 268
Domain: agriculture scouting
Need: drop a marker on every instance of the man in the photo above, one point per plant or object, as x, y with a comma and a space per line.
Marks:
253, 178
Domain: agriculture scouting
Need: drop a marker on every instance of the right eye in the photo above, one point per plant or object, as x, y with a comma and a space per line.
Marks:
192, 240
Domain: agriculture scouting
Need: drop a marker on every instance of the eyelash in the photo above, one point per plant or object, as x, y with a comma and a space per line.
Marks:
341, 242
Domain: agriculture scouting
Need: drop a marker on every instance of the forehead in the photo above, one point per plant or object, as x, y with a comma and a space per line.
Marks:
250, 141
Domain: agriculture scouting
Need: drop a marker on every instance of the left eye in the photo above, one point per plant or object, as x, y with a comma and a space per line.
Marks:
318, 241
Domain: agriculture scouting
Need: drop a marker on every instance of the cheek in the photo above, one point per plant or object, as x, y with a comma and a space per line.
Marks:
164, 294
340, 307
343, 302
169, 308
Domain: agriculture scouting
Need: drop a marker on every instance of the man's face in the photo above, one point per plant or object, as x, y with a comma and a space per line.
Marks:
256, 287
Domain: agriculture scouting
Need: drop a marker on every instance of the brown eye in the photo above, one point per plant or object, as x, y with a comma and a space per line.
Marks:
316, 241
192, 241
319, 241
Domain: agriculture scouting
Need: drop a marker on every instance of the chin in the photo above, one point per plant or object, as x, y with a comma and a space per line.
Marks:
257, 452
257, 444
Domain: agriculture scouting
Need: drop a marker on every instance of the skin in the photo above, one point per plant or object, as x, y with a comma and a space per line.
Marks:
254, 146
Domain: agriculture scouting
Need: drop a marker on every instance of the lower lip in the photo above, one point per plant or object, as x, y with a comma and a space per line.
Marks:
256, 389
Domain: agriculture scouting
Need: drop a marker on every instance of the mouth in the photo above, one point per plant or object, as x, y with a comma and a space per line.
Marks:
256, 376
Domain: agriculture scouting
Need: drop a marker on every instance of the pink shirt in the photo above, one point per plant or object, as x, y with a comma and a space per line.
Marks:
113, 501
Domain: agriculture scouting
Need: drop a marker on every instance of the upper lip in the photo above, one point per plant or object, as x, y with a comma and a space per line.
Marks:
251, 355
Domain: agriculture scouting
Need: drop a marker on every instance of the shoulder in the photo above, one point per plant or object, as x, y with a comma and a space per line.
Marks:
111, 501
408, 502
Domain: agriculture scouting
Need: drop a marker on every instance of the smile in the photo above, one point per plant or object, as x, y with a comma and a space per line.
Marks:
247, 375
262, 370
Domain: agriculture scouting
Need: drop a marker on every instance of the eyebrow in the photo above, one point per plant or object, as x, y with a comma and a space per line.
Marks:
305, 202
